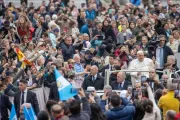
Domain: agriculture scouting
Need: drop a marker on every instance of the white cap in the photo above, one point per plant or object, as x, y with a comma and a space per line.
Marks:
54, 17
90, 88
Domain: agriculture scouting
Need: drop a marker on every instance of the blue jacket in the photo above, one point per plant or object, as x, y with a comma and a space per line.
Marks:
85, 29
90, 14
123, 112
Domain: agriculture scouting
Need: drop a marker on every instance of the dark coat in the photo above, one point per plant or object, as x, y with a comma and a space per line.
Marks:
31, 98
108, 31
85, 114
98, 83
67, 51
53, 94
115, 85
122, 112
50, 79
5, 104
103, 70
81, 22
166, 52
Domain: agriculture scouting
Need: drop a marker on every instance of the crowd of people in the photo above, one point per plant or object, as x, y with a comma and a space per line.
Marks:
82, 44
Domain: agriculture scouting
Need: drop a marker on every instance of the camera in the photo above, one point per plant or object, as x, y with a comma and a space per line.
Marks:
152, 44
175, 80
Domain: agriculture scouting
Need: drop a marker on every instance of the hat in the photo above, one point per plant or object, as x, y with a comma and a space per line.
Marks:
54, 17
6, 22
90, 89
132, 36
87, 52
56, 30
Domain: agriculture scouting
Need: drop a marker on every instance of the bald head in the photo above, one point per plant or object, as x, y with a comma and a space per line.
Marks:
170, 115
140, 56
120, 77
94, 70
56, 110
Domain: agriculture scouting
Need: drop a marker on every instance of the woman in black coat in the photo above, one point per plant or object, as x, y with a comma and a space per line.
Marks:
108, 31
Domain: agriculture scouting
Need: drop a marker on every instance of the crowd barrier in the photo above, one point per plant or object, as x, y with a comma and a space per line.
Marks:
43, 94
133, 80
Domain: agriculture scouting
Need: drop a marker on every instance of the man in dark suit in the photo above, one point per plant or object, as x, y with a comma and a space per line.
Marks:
25, 96
53, 94
121, 83
93, 80
162, 51
110, 65
5, 104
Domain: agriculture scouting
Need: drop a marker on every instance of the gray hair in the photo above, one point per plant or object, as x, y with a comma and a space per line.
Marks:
171, 114
140, 52
171, 86
76, 55
47, 16
107, 87
172, 57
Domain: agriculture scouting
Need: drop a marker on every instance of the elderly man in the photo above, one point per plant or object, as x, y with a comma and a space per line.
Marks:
172, 61
141, 63
94, 79
79, 71
58, 112
121, 83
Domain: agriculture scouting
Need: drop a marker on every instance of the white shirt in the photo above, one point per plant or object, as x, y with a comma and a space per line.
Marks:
145, 65
94, 77
122, 84
110, 66
158, 59
25, 96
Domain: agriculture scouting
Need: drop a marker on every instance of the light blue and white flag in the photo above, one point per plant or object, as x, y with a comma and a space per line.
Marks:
13, 115
26, 114
136, 2
64, 87
32, 114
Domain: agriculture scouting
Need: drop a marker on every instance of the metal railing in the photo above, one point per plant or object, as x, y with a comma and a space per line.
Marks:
108, 73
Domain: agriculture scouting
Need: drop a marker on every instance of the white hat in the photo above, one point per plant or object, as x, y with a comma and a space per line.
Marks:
123, 93
54, 17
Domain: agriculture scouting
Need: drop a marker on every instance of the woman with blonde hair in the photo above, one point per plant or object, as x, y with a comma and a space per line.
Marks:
24, 27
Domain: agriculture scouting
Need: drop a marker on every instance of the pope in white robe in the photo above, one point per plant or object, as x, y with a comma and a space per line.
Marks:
141, 63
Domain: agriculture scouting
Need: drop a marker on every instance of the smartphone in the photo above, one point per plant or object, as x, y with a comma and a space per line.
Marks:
143, 78
75, 90
100, 37
130, 89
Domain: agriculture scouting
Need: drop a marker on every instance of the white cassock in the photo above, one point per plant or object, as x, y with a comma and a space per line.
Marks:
145, 65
